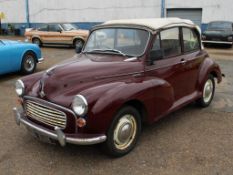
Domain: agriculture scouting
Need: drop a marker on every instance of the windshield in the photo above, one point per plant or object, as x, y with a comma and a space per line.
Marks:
68, 27
220, 26
124, 41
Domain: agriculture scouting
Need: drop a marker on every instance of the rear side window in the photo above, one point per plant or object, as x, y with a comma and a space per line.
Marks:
54, 28
190, 40
43, 28
170, 42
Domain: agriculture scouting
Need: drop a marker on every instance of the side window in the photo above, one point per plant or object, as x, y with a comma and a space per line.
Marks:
43, 28
54, 28
190, 40
156, 52
170, 41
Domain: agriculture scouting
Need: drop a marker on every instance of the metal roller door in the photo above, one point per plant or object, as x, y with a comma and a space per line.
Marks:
194, 15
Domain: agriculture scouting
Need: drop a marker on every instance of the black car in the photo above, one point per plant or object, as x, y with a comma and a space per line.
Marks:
218, 32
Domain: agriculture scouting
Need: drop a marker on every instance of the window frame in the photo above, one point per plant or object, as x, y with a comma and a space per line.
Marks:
182, 39
158, 35
161, 45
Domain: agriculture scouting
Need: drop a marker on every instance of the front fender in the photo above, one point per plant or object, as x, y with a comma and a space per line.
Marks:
105, 100
208, 66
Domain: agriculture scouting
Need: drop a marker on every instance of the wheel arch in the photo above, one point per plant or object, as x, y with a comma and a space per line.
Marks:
209, 67
139, 106
78, 38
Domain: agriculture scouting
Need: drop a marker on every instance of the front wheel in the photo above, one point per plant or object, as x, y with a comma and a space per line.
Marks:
207, 92
124, 132
28, 64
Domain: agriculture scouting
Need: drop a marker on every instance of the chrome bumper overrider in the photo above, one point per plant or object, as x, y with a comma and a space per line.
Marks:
40, 60
58, 134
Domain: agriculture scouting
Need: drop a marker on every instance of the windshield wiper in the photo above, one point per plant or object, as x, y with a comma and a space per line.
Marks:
106, 50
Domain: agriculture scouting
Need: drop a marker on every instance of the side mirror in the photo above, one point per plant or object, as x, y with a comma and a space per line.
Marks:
155, 55
78, 49
59, 30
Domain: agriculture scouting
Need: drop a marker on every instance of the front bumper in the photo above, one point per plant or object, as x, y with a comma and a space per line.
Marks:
58, 134
217, 42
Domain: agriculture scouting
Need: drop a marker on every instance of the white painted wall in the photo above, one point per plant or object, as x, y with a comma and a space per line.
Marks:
101, 10
91, 10
14, 10
212, 9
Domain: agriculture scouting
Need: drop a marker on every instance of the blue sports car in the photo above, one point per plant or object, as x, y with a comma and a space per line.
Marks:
18, 56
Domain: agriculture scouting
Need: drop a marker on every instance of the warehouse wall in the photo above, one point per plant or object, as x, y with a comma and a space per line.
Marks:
14, 10
90, 12
212, 9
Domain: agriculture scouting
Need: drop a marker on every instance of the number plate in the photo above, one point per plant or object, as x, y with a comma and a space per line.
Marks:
40, 137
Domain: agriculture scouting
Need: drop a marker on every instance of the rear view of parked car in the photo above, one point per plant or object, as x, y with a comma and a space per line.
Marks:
18, 56
57, 34
218, 32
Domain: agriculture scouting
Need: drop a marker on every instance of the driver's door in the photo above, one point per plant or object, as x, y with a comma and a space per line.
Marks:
170, 66
54, 34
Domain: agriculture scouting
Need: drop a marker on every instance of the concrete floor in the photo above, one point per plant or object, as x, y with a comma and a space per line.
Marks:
191, 141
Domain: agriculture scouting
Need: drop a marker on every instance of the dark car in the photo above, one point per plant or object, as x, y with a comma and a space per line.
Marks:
218, 32
129, 72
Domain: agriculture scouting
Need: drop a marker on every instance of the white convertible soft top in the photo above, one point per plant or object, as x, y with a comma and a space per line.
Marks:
153, 23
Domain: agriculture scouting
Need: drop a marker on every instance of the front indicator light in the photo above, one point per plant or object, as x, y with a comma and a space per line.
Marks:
81, 122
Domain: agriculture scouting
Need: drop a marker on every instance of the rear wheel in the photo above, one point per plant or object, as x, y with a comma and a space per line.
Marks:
124, 132
207, 92
37, 41
28, 64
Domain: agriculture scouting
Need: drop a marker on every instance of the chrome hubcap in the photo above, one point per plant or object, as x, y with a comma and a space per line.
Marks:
78, 44
208, 91
37, 42
125, 132
29, 63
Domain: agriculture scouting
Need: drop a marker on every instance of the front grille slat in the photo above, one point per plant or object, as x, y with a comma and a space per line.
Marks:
47, 121
44, 117
45, 114
44, 108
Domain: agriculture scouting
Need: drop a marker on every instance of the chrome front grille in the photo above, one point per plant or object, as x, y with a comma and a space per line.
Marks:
45, 114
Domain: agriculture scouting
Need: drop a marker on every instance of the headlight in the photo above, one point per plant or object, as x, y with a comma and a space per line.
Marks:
80, 105
19, 87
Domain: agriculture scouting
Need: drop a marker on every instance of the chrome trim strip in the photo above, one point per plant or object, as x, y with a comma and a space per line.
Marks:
217, 42
58, 134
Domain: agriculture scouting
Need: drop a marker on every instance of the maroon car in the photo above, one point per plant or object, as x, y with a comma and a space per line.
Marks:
129, 72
